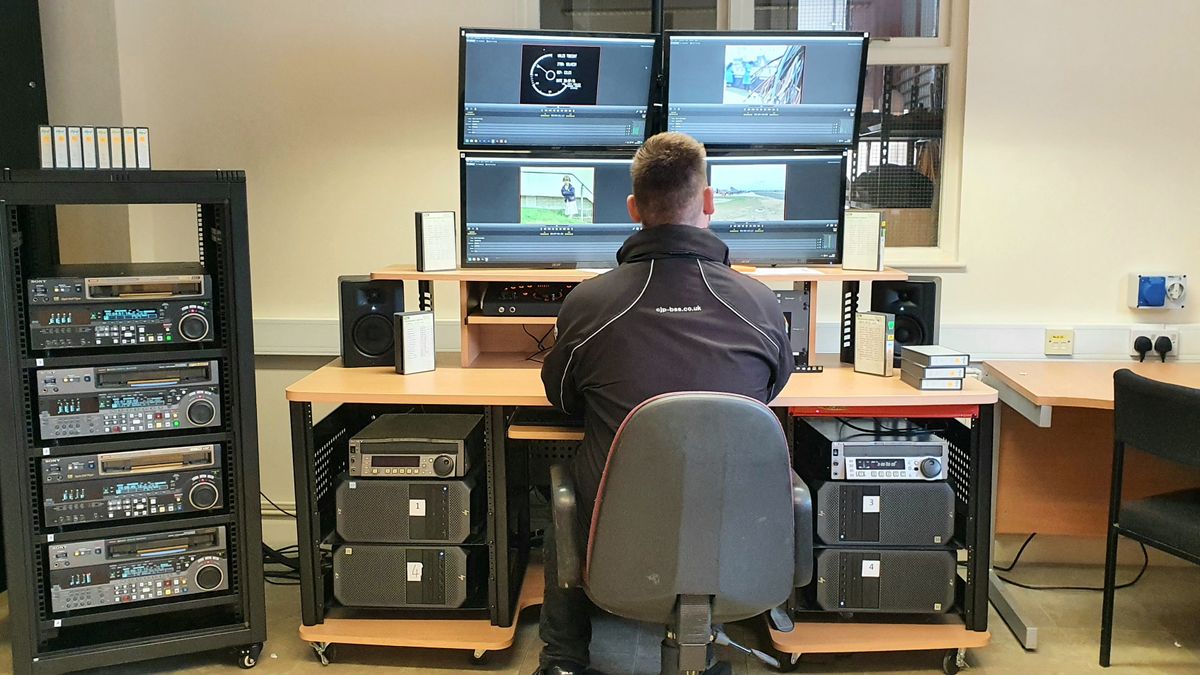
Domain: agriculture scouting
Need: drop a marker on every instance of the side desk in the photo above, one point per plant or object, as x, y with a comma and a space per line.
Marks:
1054, 461
319, 455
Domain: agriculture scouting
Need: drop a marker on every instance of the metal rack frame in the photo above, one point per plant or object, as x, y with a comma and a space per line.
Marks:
41, 641
320, 454
971, 471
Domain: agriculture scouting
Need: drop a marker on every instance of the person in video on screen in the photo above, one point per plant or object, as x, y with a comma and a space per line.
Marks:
673, 316
570, 206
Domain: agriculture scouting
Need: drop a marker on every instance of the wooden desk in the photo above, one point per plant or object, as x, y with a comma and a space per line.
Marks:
512, 385
1054, 461
1075, 384
1054, 478
319, 455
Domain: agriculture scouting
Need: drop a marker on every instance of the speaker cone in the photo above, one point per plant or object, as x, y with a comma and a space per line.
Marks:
373, 335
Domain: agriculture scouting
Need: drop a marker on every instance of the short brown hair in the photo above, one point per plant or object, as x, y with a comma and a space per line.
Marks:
668, 175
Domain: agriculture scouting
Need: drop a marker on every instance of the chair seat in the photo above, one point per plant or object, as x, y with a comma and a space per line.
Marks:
1172, 519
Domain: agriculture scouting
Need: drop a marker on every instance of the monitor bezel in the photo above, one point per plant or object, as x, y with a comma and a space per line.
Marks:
567, 155
862, 77
463, 156
656, 66
828, 151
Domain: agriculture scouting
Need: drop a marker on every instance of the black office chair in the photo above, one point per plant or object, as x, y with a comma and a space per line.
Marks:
699, 520
1164, 420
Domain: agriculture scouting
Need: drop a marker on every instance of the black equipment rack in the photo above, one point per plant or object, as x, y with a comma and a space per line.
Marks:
47, 642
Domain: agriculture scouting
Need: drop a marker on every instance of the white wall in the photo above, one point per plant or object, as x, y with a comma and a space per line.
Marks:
1078, 166
83, 87
343, 115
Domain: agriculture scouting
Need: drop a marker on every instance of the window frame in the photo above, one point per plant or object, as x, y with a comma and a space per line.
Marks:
949, 48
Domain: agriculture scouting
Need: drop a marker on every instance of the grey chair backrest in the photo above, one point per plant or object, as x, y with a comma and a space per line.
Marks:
1156, 417
696, 499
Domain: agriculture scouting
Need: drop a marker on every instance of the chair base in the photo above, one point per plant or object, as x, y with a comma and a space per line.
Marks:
678, 658
674, 660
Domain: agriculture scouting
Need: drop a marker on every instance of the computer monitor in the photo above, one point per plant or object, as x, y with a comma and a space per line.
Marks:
780, 209
554, 89
521, 211
570, 212
765, 90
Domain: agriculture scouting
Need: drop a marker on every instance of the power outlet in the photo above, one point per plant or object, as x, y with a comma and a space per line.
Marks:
1152, 334
1174, 336
1060, 342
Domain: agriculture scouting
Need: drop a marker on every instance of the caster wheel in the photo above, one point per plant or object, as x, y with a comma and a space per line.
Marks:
325, 651
953, 661
248, 656
479, 658
788, 663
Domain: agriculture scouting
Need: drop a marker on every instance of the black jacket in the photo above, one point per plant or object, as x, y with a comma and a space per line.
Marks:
671, 317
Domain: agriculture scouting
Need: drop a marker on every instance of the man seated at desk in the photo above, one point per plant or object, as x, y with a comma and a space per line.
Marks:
671, 317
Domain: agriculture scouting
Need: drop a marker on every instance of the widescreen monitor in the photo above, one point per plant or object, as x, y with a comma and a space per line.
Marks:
554, 89
765, 90
571, 212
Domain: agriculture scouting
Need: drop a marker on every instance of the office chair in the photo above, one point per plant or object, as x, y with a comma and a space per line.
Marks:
699, 520
1164, 420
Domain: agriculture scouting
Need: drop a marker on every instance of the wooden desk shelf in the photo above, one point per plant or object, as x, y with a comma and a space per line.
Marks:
482, 335
815, 273
543, 433
512, 320
478, 636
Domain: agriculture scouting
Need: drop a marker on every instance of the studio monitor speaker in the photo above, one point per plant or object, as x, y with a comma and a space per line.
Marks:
915, 302
367, 307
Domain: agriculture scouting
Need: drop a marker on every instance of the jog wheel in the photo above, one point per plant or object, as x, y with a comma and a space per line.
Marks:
193, 327
201, 412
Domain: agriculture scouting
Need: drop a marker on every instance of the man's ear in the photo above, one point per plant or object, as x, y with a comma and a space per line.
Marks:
631, 205
710, 206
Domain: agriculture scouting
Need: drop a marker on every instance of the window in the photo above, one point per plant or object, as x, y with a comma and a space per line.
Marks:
910, 138
626, 15
880, 18
897, 166
908, 156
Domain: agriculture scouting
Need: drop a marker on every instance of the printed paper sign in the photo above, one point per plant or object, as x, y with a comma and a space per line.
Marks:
870, 569
416, 507
871, 504
415, 570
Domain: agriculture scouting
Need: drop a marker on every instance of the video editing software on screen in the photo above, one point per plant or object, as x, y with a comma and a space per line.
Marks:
524, 212
784, 210
530, 90
530, 212
765, 90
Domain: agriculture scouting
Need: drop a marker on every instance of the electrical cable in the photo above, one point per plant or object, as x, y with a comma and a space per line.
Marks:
1097, 589
1016, 559
891, 430
271, 556
277, 507
541, 343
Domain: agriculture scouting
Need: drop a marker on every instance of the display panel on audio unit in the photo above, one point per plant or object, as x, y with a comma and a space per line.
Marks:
869, 450
107, 400
417, 446
162, 566
117, 486
121, 306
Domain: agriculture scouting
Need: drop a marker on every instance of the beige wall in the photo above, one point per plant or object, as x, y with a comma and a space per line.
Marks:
343, 116
1076, 166
83, 87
